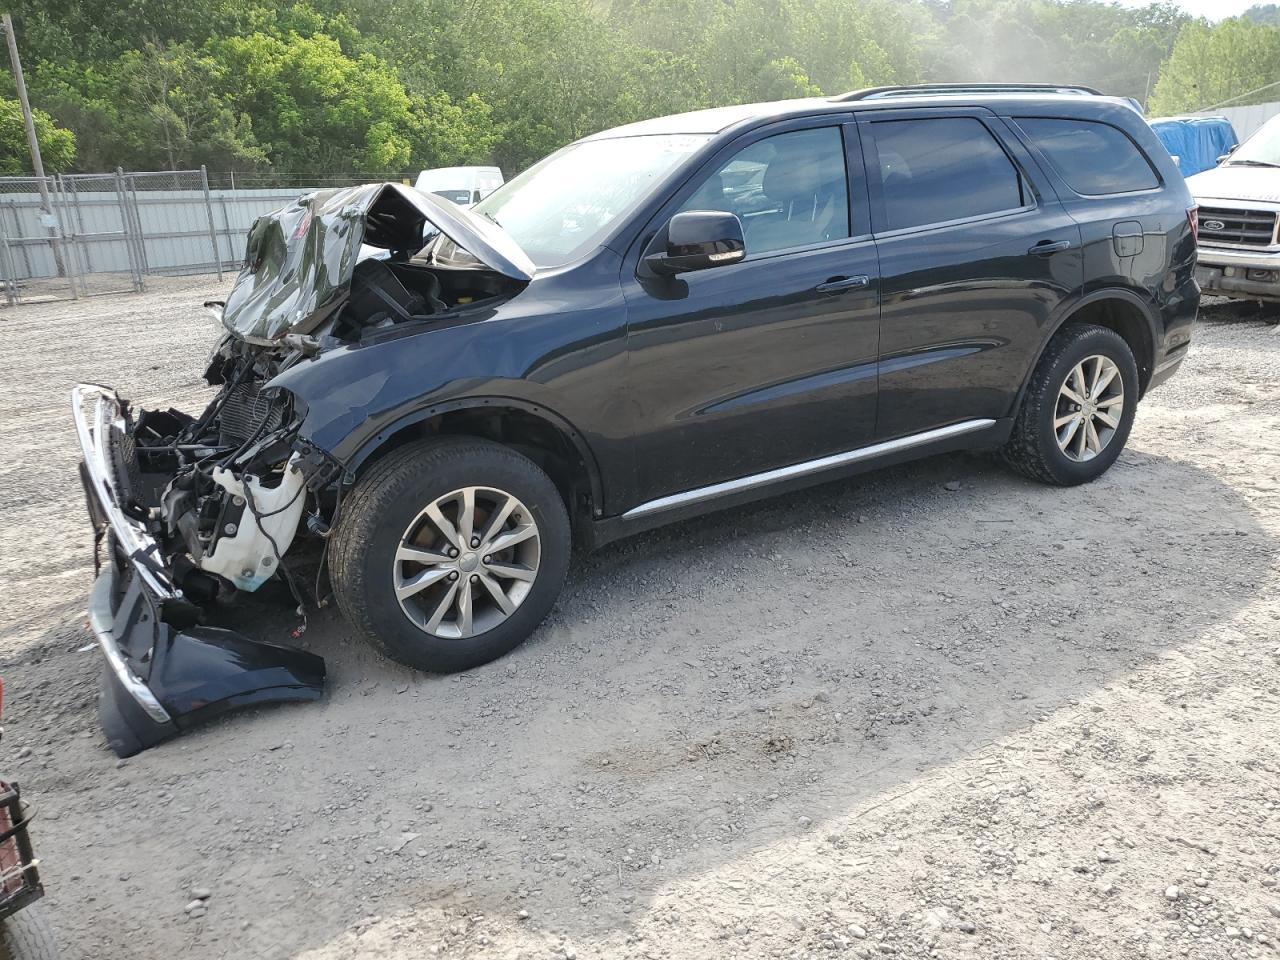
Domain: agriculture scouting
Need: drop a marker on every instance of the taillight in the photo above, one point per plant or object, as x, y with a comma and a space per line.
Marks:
1193, 218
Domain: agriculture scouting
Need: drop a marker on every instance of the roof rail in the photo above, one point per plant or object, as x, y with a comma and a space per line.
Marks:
909, 90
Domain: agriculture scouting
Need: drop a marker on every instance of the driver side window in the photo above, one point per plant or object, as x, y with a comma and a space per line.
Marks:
789, 190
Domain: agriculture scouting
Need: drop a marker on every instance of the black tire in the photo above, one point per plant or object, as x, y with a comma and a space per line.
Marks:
375, 516
27, 936
1033, 449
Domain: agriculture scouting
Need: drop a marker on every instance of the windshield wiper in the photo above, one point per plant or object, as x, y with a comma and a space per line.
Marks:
1251, 163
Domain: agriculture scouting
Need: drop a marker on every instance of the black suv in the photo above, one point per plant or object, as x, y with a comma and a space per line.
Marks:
656, 321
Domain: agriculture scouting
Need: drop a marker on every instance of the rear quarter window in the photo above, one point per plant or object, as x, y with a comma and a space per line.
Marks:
1095, 159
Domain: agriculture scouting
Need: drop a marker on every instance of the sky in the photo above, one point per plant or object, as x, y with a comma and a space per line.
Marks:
1213, 9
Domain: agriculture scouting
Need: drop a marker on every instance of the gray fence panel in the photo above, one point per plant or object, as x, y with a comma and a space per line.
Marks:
1245, 120
126, 226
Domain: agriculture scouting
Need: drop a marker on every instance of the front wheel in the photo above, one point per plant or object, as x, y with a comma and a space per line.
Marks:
450, 552
1078, 409
26, 936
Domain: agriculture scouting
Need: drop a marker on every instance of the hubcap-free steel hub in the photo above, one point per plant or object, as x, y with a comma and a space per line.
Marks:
1089, 408
466, 562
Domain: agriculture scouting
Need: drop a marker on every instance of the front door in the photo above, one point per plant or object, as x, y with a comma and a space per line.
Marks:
770, 361
976, 255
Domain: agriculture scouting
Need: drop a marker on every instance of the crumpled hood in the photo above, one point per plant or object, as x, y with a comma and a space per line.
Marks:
1237, 183
299, 259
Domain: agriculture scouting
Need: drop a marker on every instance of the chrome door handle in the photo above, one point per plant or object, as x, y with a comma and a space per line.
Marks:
836, 284
1045, 247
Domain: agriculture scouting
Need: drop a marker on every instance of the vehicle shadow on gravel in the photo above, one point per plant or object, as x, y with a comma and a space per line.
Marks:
700, 693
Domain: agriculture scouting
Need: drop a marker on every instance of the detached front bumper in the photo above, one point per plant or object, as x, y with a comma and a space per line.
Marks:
1243, 274
165, 670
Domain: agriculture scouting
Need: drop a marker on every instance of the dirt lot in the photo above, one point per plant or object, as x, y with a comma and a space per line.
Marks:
886, 717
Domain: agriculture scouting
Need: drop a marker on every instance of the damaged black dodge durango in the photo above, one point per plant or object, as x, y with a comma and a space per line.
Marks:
656, 321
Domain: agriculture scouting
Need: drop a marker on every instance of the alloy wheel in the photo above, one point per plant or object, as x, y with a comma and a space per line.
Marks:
466, 562
1089, 408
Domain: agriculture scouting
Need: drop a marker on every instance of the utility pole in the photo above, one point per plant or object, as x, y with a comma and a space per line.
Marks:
37, 165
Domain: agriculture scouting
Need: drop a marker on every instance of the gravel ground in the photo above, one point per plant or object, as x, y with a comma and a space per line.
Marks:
935, 711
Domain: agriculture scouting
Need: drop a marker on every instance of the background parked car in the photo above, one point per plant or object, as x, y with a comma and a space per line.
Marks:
1239, 211
463, 185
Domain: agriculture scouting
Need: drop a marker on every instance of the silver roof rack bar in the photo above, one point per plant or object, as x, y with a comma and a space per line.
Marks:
906, 90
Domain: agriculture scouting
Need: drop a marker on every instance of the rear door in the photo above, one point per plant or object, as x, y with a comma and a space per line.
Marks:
1111, 189
976, 254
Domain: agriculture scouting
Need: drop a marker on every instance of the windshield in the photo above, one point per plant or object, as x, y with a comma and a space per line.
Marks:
563, 206
1262, 149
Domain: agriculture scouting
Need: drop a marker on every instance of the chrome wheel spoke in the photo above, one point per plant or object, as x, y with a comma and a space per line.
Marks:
1105, 376
499, 595
1071, 431
1107, 419
407, 588
1091, 441
1078, 375
417, 555
442, 607
1069, 392
1108, 402
497, 521
509, 572
444, 525
466, 517
464, 607
510, 539
1062, 421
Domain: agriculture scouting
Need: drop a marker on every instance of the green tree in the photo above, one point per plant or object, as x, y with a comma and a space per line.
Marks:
57, 146
1211, 64
314, 107
1265, 13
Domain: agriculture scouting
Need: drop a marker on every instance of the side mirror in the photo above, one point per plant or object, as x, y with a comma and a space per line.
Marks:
697, 240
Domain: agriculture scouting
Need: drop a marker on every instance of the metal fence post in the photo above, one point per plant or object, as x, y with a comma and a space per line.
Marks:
74, 254
132, 199
10, 272
130, 238
213, 231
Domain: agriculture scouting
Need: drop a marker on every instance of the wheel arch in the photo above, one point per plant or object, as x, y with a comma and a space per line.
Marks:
1116, 308
535, 430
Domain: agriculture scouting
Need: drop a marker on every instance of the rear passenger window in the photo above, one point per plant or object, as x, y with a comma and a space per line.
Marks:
949, 168
1095, 159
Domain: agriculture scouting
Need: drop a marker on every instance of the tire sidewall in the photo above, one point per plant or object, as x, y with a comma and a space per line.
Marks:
508, 472
1096, 342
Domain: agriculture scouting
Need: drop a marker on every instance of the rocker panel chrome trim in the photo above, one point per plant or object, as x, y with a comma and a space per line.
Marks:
755, 480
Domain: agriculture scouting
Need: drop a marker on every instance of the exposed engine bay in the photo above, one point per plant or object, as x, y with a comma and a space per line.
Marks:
228, 489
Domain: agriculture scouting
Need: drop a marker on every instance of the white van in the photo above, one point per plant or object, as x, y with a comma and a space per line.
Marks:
463, 185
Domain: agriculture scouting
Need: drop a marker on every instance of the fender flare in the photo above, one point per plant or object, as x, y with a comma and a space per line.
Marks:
560, 423
1070, 308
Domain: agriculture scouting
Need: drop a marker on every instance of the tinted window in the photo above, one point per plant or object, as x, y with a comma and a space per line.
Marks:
1093, 158
789, 190
944, 169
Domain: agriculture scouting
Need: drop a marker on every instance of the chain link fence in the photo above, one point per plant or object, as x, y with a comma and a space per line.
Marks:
87, 234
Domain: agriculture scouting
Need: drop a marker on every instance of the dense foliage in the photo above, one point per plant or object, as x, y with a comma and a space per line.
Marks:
376, 86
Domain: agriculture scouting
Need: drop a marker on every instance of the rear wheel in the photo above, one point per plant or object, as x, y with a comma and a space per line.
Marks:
1078, 409
450, 552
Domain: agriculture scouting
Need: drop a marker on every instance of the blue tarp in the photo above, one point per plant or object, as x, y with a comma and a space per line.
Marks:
1197, 142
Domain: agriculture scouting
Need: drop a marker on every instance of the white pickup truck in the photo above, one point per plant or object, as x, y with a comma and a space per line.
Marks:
1239, 204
